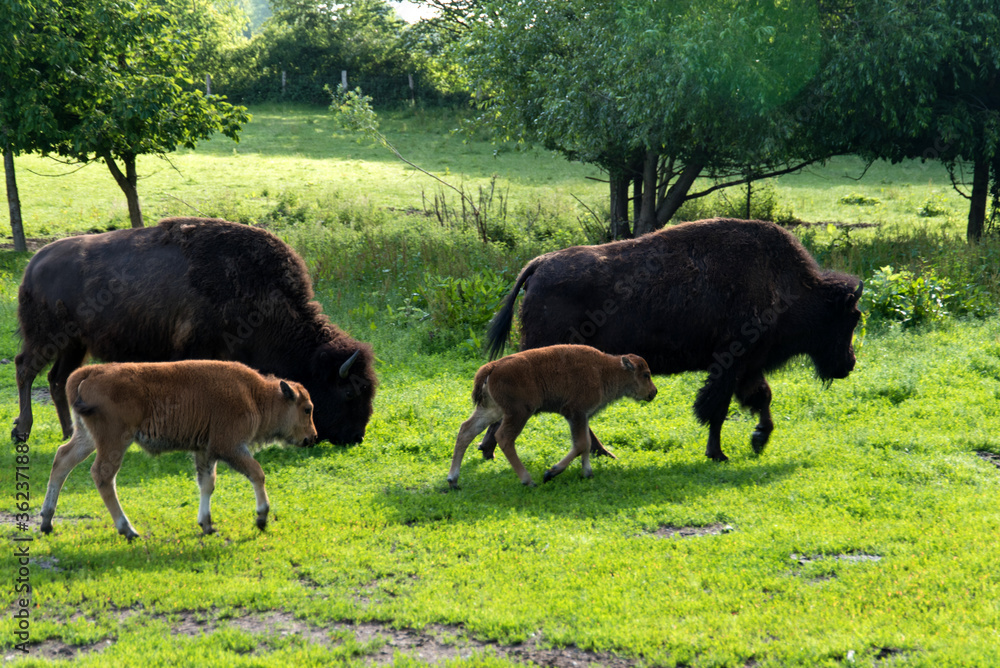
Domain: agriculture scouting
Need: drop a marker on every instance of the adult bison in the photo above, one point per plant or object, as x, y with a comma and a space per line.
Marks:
733, 298
187, 288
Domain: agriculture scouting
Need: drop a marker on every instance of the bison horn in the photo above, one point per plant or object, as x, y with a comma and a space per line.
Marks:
857, 293
345, 368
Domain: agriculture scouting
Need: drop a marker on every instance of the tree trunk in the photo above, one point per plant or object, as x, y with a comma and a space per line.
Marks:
677, 193
977, 208
127, 182
619, 204
14, 201
645, 221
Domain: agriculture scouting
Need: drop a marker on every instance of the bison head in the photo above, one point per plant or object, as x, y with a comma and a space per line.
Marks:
833, 352
342, 386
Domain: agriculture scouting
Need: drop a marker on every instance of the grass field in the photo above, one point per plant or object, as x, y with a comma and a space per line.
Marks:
864, 535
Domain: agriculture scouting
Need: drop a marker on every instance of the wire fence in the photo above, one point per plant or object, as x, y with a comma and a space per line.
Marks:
385, 91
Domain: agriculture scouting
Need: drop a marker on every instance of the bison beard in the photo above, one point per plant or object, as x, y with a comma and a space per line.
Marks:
733, 298
187, 288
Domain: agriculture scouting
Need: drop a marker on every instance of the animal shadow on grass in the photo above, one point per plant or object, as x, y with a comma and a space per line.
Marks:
492, 484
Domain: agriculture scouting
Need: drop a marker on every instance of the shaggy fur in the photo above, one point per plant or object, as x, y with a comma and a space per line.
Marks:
734, 298
573, 381
187, 288
216, 410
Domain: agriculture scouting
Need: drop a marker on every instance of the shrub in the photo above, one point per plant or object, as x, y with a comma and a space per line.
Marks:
901, 296
856, 199
460, 308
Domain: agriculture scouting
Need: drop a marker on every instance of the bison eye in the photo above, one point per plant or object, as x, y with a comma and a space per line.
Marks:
307, 410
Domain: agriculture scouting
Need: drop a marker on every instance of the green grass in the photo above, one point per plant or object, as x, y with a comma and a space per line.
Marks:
864, 535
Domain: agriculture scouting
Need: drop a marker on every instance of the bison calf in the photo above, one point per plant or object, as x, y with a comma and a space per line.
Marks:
216, 410
574, 381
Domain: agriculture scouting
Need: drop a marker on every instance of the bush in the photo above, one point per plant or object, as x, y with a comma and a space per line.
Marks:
764, 205
461, 308
855, 199
901, 296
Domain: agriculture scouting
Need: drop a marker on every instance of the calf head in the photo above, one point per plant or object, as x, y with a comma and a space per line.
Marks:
833, 349
295, 424
640, 386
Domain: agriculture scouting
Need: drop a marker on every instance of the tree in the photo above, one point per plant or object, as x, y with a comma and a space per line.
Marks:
657, 94
87, 92
905, 79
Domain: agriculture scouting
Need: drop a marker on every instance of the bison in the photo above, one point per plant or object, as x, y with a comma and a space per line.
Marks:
216, 410
731, 297
572, 380
187, 288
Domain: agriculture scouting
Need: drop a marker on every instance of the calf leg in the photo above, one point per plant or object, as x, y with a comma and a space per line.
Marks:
711, 407
67, 457
68, 362
510, 428
581, 448
754, 393
479, 420
107, 463
205, 466
243, 462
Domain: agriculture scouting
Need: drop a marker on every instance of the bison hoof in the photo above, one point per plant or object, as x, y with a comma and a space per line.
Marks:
717, 456
487, 452
18, 436
262, 524
549, 475
758, 441
453, 484
129, 535
46, 528
208, 531
601, 451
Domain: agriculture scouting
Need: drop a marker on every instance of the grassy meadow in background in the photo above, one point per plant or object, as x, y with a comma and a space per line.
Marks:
866, 534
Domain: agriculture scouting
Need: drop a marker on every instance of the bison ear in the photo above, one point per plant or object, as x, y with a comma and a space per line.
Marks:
627, 364
287, 392
854, 297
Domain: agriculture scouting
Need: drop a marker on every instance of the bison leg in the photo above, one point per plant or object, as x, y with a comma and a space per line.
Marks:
68, 362
712, 406
104, 471
68, 456
28, 364
754, 393
243, 462
489, 443
205, 466
510, 429
597, 448
479, 420
581, 448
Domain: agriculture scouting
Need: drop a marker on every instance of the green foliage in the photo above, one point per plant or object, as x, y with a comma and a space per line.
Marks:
765, 204
933, 207
899, 296
460, 308
856, 199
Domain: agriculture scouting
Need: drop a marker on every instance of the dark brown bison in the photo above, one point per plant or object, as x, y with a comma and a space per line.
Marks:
214, 410
731, 297
574, 381
187, 288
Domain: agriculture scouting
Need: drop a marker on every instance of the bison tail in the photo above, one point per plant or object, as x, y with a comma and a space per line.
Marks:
499, 331
83, 408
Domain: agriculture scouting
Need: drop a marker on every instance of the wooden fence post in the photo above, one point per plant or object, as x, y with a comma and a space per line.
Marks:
283, 82
343, 79
208, 84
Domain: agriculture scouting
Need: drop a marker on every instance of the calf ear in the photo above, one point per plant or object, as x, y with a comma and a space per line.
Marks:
287, 392
627, 364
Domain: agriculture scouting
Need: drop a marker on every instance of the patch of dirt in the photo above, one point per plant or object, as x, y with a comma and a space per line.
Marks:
434, 644
991, 457
838, 225
32, 243
668, 531
856, 557
40, 395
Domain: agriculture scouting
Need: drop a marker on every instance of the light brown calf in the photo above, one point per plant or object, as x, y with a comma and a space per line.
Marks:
216, 410
574, 381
